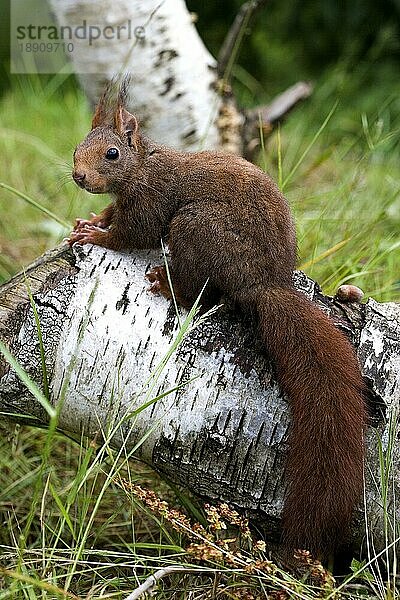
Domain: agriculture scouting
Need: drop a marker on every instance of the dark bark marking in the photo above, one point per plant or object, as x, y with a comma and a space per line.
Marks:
104, 387
9, 334
217, 395
193, 449
121, 357
152, 361
168, 84
96, 356
165, 56
195, 398
227, 421
169, 323
79, 370
247, 463
243, 417
189, 134
259, 434
177, 96
124, 300
102, 259
274, 430
45, 304
80, 252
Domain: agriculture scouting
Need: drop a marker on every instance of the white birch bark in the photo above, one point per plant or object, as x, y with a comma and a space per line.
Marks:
174, 76
223, 434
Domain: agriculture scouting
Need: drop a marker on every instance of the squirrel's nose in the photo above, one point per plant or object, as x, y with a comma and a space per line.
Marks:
78, 177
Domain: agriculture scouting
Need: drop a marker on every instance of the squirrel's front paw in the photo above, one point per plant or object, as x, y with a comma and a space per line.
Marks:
96, 220
88, 234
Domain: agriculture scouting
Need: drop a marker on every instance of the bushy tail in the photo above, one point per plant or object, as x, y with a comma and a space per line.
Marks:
317, 368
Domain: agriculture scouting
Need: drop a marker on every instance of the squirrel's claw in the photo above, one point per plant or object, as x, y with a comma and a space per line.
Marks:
80, 223
157, 274
86, 234
76, 238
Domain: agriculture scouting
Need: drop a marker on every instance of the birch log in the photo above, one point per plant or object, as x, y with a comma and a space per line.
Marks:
222, 433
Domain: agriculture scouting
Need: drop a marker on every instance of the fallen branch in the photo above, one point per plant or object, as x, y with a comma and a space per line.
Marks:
260, 121
152, 581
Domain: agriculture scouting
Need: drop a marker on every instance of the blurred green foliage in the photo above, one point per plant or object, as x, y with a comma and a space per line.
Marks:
299, 39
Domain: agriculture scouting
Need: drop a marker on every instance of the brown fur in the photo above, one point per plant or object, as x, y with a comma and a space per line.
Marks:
227, 222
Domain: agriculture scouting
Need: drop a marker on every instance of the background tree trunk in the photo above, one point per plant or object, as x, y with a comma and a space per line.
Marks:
222, 433
174, 76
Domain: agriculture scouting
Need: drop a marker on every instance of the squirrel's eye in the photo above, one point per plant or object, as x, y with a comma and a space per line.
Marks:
112, 153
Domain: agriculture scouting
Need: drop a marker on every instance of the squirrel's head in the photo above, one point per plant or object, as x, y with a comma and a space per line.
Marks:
112, 149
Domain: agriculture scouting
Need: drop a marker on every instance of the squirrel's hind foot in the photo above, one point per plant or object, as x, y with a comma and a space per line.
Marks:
160, 285
159, 282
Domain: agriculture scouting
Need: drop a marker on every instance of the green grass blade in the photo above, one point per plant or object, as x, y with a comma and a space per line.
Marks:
41, 585
27, 381
141, 408
324, 255
62, 508
40, 338
310, 145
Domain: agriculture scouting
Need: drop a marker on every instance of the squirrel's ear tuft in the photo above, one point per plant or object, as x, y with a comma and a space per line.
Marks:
124, 122
115, 92
100, 115
102, 112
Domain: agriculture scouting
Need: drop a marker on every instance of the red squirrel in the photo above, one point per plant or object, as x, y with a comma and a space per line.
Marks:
227, 224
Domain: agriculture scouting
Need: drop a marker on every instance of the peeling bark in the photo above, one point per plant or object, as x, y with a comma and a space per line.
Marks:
223, 434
